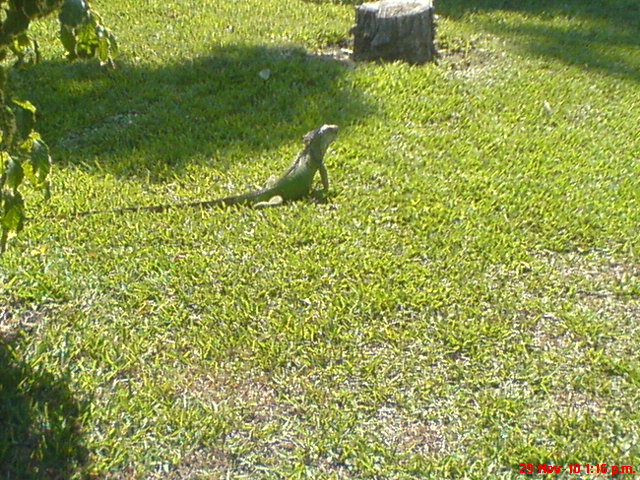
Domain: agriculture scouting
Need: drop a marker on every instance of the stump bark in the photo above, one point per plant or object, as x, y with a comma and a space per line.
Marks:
395, 30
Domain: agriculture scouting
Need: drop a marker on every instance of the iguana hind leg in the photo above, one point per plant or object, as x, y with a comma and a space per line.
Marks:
274, 201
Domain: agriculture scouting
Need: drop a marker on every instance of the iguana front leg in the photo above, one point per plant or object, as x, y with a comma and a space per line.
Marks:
324, 176
271, 182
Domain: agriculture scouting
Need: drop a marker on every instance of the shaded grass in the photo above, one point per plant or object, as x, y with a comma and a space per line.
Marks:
598, 35
40, 419
467, 302
213, 106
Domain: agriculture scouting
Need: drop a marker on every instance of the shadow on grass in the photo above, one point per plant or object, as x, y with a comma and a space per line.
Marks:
39, 434
152, 120
600, 34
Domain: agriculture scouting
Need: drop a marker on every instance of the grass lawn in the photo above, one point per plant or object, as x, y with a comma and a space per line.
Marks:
467, 301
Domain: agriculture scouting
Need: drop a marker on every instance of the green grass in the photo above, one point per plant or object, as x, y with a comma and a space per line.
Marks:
468, 300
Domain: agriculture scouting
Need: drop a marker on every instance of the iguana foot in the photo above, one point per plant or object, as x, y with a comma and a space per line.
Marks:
320, 196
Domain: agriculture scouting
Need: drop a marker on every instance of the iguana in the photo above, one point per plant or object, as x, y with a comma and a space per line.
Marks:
294, 184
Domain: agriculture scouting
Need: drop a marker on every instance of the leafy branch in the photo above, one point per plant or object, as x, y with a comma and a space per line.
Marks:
83, 34
23, 153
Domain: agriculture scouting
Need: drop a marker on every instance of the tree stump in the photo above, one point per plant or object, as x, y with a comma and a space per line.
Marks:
395, 29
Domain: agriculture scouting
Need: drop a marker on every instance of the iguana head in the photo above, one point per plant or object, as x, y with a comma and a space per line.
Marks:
321, 137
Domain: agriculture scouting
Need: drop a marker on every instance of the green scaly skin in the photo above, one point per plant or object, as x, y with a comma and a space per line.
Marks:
294, 184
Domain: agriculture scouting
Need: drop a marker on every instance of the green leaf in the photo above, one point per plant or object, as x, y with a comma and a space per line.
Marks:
88, 38
4, 158
68, 40
13, 216
23, 40
87, 41
26, 49
26, 104
25, 114
14, 173
113, 44
36, 162
73, 13
39, 165
103, 48
40, 160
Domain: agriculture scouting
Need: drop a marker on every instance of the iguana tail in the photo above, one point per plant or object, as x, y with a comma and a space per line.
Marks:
244, 199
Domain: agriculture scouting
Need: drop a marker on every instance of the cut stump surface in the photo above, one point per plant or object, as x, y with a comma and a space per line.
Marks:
395, 30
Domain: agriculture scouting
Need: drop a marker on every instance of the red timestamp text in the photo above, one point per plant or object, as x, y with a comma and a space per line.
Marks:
577, 468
